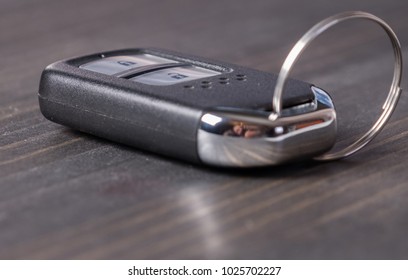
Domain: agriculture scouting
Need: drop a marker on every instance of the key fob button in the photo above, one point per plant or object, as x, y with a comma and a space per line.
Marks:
116, 64
174, 75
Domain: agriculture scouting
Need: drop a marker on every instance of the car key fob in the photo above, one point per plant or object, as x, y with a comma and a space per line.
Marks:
187, 107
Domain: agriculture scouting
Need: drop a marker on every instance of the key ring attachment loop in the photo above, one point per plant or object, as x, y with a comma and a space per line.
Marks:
390, 102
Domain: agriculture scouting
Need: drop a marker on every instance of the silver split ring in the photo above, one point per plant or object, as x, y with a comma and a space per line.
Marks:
390, 102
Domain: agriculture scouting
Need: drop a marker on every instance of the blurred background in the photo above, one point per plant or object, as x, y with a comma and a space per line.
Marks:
258, 34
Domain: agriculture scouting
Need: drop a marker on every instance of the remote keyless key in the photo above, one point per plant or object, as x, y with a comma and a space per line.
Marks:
187, 107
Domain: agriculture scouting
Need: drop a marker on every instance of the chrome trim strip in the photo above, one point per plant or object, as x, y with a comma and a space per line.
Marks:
234, 137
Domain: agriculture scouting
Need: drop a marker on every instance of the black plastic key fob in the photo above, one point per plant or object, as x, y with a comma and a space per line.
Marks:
187, 107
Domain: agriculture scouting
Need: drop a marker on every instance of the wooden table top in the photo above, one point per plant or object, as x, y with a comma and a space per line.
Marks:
65, 194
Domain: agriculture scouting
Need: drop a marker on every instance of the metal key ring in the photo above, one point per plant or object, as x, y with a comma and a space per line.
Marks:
390, 102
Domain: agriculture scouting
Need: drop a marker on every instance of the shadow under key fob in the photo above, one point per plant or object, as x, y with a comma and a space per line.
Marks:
187, 107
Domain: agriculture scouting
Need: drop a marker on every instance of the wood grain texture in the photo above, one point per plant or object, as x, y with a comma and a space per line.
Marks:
64, 194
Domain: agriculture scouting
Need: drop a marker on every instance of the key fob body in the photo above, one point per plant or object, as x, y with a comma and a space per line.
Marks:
187, 107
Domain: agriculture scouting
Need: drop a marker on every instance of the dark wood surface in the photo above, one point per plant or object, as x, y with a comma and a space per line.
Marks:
64, 194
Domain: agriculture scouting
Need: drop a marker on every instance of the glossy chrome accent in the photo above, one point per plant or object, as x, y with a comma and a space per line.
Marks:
247, 138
